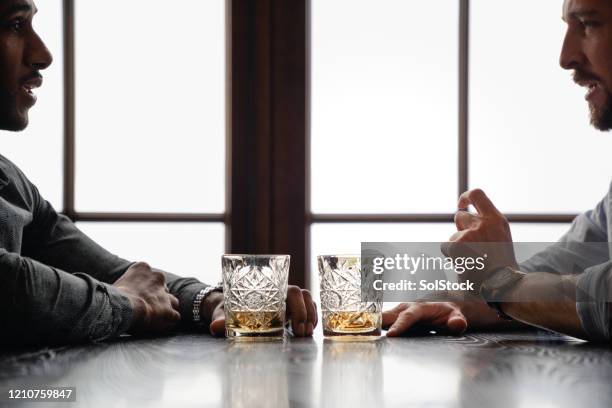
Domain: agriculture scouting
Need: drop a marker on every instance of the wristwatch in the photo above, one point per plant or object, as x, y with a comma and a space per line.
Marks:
197, 302
496, 285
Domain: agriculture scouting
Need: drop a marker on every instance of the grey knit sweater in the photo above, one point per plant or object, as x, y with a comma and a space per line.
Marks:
55, 282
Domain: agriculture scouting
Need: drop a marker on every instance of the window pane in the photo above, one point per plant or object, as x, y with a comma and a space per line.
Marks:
38, 149
150, 105
329, 239
185, 249
384, 106
531, 146
345, 239
522, 232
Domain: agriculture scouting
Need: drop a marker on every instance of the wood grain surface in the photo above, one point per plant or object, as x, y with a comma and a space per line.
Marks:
514, 369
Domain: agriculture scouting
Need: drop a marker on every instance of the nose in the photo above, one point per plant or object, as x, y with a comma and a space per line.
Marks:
37, 55
571, 53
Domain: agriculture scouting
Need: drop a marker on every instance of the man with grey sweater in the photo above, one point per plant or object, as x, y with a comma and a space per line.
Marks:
56, 284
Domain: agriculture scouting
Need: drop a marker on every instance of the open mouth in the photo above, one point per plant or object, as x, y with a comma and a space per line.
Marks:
591, 90
29, 86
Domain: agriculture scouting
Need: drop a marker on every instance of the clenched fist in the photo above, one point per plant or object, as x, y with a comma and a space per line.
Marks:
154, 309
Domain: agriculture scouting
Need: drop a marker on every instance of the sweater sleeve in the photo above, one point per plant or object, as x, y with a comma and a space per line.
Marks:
56, 241
42, 304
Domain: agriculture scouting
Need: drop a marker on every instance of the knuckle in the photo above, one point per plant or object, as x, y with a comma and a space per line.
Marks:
451, 305
142, 265
306, 292
407, 314
158, 277
401, 307
293, 290
477, 192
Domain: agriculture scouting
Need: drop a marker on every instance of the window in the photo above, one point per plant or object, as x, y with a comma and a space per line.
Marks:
139, 159
183, 248
523, 104
384, 107
334, 135
149, 131
474, 88
150, 107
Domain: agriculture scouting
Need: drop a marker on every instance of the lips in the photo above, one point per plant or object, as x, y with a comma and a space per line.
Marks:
29, 85
591, 84
591, 90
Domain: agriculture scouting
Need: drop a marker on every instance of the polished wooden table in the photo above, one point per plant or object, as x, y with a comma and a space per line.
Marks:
519, 369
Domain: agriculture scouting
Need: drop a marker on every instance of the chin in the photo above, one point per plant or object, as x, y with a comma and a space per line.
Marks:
14, 124
601, 118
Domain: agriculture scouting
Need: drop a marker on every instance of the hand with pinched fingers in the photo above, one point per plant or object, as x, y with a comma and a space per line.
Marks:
484, 234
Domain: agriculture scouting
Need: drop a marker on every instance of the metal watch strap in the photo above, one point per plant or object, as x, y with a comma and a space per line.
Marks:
493, 289
199, 298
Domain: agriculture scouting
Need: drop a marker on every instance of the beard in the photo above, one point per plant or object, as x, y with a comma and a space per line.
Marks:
601, 117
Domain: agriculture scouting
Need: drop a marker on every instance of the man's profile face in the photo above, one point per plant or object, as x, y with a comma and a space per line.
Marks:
22, 56
587, 50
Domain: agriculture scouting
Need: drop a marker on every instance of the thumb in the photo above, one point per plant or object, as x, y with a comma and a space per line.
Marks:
217, 327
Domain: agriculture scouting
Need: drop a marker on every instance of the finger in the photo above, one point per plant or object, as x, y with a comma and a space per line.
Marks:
174, 302
167, 321
405, 320
457, 244
450, 248
171, 315
460, 236
218, 313
217, 327
389, 316
465, 220
479, 200
456, 323
311, 312
297, 310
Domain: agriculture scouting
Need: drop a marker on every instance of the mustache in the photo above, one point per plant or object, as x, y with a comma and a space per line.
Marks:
582, 76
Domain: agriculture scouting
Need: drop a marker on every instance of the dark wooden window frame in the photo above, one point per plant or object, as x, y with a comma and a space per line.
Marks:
268, 136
